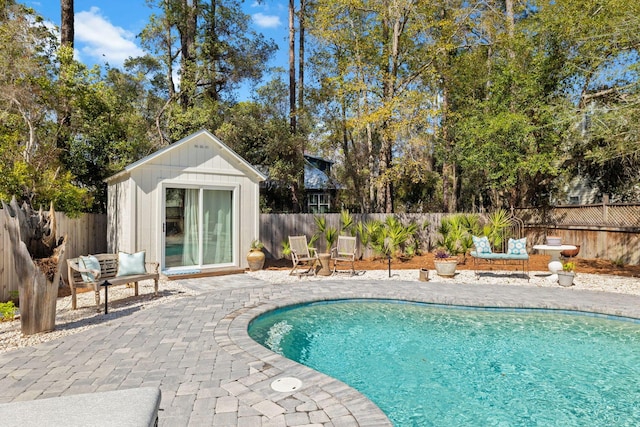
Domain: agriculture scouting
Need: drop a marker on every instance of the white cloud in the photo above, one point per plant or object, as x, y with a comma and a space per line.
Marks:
96, 37
266, 21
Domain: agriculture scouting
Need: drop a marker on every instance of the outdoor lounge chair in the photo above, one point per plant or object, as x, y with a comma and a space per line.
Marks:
302, 254
344, 251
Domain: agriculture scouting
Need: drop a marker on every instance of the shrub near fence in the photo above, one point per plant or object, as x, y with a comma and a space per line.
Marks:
86, 235
276, 228
610, 232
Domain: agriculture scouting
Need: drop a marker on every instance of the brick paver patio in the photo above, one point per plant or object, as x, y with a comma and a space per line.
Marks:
197, 351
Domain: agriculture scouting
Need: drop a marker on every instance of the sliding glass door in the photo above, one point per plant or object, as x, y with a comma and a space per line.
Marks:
198, 227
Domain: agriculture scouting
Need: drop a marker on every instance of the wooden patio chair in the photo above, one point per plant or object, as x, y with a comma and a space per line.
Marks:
302, 254
344, 251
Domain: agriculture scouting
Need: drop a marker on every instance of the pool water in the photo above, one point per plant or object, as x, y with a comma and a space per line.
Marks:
427, 365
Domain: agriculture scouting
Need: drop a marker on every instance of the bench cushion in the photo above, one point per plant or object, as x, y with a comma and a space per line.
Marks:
500, 256
130, 264
128, 408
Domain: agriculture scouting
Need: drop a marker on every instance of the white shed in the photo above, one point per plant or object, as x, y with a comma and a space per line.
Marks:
192, 206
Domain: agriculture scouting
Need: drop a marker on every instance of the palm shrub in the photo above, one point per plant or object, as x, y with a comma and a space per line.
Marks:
391, 238
366, 230
286, 249
456, 231
329, 233
498, 221
346, 222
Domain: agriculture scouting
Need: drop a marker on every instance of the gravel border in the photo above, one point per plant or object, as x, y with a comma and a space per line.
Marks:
122, 302
582, 281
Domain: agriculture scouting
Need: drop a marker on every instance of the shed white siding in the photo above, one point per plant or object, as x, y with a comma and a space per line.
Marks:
136, 195
120, 230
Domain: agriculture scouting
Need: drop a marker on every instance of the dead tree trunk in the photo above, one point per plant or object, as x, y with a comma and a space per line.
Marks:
37, 257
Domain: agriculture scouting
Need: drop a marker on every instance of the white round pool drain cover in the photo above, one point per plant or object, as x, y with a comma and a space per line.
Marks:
286, 384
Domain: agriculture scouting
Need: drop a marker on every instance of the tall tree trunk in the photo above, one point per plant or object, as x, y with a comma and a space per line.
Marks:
292, 67
67, 28
187, 29
449, 179
301, 25
392, 24
508, 4
38, 256
67, 32
212, 52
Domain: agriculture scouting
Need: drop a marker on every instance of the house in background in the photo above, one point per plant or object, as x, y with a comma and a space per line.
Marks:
192, 206
580, 192
320, 188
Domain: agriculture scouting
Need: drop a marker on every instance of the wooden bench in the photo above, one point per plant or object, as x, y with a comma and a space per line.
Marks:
108, 271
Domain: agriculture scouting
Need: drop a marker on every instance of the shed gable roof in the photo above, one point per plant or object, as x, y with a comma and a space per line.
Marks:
227, 152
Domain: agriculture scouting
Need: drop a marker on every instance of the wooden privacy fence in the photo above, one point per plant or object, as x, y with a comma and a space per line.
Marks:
86, 235
610, 232
603, 231
276, 228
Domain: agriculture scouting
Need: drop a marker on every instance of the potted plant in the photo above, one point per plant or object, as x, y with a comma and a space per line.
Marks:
330, 235
566, 276
444, 263
256, 257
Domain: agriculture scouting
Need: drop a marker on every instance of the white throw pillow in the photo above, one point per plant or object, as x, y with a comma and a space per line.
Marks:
130, 264
89, 263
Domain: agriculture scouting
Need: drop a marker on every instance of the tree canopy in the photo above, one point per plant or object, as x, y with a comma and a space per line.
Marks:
424, 106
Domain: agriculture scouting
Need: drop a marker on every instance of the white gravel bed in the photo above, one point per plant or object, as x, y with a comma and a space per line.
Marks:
592, 282
122, 301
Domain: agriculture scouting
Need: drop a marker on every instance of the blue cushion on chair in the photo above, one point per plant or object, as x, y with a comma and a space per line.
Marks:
517, 246
129, 264
482, 244
89, 263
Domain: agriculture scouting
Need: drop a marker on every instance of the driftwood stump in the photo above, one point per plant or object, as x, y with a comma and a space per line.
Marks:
37, 256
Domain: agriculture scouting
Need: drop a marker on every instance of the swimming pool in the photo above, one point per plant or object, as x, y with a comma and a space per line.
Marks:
431, 365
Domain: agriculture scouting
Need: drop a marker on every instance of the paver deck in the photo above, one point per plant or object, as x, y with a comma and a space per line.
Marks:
210, 372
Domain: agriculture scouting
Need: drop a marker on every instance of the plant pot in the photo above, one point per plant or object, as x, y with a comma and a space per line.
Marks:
255, 258
446, 268
325, 261
571, 252
554, 240
424, 275
565, 278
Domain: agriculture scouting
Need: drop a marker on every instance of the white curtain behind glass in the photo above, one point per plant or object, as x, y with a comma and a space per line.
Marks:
217, 244
190, 249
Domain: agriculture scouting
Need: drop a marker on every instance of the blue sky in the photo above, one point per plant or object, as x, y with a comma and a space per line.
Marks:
105, 31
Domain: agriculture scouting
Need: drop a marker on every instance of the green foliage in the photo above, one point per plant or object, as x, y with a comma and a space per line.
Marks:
426, 106
346, 222
286, 249
494, 229
329, 233
260, 133
390, 238
568, 267
7, 311
456, 233
365, 230
256, 244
